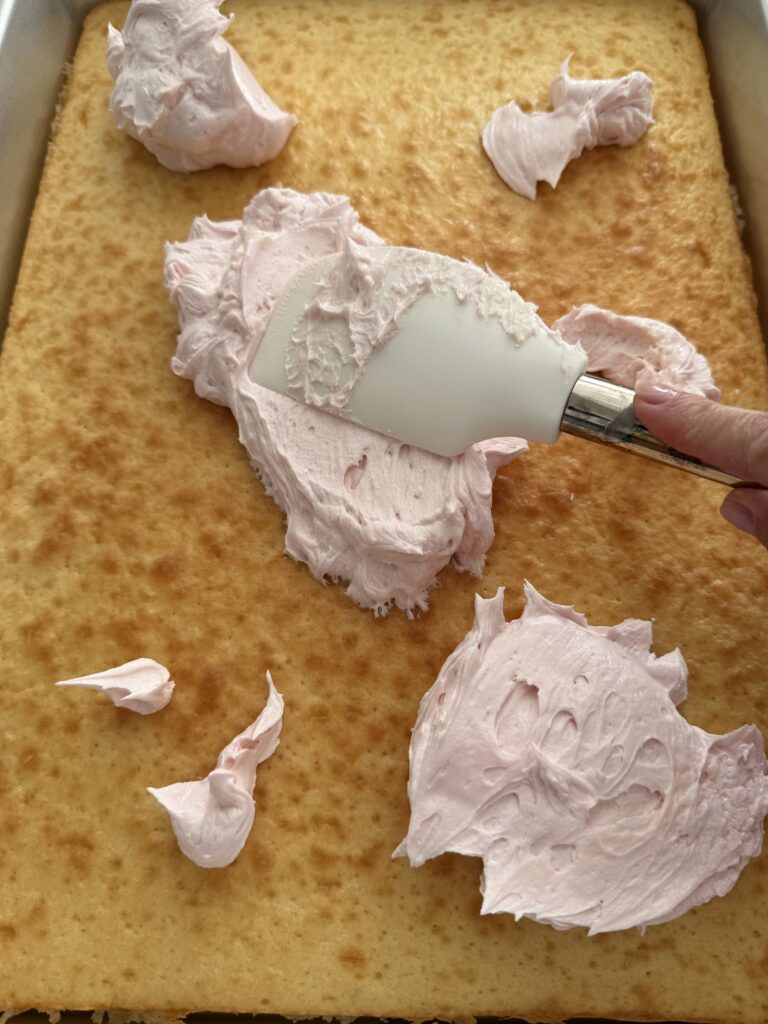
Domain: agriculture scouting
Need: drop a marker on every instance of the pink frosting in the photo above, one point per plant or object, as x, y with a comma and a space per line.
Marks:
632, 350
527, 148
360, 507
143, 685
554, 750
185, 93
212, 817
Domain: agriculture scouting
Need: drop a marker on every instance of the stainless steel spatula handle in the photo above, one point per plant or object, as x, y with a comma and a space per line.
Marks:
600, 411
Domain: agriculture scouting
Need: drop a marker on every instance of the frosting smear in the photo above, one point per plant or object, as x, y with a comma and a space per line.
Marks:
143, 685
385, 516
185, 93
554, 750
528, 148
212, 817
632, 350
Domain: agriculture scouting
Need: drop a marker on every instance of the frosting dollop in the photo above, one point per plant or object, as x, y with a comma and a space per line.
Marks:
554, 750
185, 93
385, 516
212, 817
142, 685
632, 350
527, 148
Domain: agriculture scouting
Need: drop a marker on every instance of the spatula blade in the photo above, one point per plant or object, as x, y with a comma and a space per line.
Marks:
449, 374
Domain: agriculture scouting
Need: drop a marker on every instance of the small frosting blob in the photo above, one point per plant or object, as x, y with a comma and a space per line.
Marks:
554, 750
632, 350
143, 685
385, 516
185, 93
527, 148
212, 817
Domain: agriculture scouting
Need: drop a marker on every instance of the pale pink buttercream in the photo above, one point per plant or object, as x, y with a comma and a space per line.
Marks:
384, 516
632, 350
553, 750
212, 817
185, 93
143, 685
527, 148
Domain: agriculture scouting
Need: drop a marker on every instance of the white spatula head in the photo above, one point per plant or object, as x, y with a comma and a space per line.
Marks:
418, 346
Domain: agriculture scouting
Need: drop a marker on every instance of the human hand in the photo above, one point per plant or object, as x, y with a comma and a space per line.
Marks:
735, 440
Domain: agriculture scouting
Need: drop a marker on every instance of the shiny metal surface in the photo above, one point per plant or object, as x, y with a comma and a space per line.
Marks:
735, 38
600, 411
37, 38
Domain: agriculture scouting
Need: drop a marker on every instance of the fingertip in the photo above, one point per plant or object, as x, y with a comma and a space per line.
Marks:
746, 508
668, 413
738, 514
655, 394
657, 406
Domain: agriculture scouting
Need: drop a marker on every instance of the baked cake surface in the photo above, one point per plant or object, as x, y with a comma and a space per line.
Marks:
133, 526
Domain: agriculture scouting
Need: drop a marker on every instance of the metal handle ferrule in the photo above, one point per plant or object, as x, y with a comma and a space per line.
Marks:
601, 411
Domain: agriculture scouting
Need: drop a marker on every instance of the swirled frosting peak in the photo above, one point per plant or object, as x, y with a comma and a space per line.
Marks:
632, 350
212, 817
143, 685
385, 516
185, 93
528, 148
554, 750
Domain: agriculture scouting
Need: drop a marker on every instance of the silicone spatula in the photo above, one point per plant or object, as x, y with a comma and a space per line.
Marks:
450, 374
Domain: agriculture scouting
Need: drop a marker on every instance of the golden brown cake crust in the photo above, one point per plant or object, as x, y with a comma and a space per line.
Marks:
133, 526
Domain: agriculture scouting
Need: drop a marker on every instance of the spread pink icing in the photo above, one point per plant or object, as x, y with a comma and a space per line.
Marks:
360, 507
143, 685
527, 148
185, 93
632, 350
212, 817
554, 750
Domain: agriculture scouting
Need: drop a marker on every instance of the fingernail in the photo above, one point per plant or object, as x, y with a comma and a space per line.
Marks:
655, 394
738, 515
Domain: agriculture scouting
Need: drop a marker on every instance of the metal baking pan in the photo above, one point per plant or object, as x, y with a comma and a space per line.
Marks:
38, 39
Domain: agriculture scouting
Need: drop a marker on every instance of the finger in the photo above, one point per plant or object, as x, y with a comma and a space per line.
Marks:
732, 439
747, 509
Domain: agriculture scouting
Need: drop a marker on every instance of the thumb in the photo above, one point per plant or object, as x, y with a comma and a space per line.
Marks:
735, 440
747, 509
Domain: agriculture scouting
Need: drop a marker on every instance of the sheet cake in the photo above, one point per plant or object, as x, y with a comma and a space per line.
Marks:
133, 526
